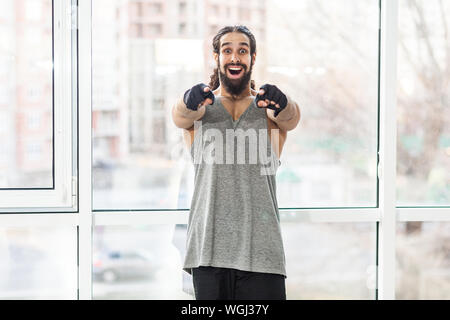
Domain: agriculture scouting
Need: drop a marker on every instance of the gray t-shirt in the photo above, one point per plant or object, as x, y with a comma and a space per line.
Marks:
234, 220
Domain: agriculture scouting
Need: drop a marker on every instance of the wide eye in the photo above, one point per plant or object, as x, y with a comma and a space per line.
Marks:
243, 51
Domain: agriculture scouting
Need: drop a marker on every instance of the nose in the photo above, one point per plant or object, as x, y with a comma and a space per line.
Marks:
234, 58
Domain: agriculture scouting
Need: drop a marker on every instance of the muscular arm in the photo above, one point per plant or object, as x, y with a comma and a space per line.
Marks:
288, 118
184, 117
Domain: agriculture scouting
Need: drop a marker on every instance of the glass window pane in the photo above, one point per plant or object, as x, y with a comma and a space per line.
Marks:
325, 55
330, 260
423, 146
38, 263
142, 65
26, 94
423, 260
140, 263
338, 261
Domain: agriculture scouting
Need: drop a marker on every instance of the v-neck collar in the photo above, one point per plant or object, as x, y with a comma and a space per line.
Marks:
230, 116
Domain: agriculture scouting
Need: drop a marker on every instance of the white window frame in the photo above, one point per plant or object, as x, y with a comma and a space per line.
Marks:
386, 214
62, 197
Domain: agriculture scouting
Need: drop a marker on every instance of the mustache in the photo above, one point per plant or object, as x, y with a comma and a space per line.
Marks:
236, 65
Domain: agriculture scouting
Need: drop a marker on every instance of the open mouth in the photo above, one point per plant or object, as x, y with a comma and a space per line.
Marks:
235, 72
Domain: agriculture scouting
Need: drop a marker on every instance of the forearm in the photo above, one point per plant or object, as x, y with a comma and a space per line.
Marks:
184, 117
288, 118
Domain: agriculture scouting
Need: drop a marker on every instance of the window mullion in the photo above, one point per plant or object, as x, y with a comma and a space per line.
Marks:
85, 152
388, 137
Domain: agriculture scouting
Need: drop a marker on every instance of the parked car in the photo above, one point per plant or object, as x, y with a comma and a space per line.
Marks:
115, 265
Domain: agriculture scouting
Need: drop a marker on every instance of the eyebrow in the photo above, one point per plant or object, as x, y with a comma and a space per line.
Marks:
240, 43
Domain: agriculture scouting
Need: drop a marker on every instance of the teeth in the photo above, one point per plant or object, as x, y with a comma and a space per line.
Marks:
235, 69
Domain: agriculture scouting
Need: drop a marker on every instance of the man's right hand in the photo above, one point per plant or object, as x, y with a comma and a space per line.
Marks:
199, 95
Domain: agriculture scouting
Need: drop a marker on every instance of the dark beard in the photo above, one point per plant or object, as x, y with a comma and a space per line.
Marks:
236, 87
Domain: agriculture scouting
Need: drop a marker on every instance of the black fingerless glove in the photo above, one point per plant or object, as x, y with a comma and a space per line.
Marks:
194, 96
272, 93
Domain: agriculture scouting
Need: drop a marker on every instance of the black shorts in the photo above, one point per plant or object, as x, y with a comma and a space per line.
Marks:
213, 283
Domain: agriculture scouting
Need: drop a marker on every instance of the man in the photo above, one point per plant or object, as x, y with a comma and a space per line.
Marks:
234, 244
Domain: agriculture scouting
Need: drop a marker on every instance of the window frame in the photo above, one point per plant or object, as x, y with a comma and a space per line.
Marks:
61, 197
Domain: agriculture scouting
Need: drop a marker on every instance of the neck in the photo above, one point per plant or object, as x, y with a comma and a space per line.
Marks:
245, 93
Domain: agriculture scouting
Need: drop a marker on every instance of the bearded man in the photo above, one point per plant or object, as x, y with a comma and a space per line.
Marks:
234, 247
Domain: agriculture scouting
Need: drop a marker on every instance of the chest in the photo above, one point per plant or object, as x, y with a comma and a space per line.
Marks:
236, 108
236, 113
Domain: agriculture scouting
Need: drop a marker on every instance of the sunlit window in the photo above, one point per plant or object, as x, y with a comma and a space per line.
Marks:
325, 55
26, 87
423, 260
423, 146
305, 47
140, 263
330, 260
38, 263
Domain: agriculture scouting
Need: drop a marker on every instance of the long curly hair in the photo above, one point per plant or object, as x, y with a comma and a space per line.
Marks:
214, 81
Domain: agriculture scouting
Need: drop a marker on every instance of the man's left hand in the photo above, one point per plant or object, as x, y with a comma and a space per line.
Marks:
269, 96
